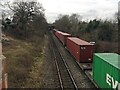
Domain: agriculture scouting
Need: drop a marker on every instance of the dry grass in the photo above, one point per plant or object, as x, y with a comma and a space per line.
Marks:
20, 58
35, 79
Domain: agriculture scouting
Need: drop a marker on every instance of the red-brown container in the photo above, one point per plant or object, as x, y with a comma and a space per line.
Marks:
63, 37
80, 49
54, 30
57, 33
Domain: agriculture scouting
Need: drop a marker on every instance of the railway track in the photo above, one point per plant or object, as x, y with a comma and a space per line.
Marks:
66, 80
79, 76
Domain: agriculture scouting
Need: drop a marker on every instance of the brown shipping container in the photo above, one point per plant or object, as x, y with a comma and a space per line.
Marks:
63, 37
57, 33
55, 30
80, 49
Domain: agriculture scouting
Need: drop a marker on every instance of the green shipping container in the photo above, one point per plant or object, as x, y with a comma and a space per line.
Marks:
106, 70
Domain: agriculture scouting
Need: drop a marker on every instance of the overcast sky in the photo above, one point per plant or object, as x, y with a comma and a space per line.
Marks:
88, 9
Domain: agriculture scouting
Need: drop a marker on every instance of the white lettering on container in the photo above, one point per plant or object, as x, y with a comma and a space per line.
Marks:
119, 86
108, 79
111, 82
114, 84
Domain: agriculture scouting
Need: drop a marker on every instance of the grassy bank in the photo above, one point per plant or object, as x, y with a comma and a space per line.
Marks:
21, 57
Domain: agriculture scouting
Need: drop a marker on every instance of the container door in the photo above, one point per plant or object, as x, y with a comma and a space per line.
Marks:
86, 54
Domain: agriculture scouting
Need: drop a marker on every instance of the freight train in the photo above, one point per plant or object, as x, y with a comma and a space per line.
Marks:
103, 69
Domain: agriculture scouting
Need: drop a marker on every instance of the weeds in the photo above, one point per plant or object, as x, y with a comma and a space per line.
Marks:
20, 58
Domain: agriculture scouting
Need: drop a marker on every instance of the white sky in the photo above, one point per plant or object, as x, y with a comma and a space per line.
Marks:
88, 9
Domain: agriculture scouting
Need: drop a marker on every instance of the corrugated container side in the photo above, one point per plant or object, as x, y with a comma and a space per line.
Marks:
86, 53
105, 74
58, 34
60, 37
64, 38
73, 49
83, 53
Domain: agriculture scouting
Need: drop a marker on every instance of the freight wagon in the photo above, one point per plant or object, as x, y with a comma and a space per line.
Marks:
80, 49
63, 38
57, 33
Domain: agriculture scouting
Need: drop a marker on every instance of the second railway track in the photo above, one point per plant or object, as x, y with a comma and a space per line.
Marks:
66, 80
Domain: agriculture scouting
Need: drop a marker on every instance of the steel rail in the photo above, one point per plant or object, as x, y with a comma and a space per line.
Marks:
67, 68
58, 70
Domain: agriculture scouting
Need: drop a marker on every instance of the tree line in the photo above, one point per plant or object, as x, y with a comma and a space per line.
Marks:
95, 30
28, 20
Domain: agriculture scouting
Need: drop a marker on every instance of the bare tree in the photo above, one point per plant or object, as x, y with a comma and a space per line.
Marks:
24, 15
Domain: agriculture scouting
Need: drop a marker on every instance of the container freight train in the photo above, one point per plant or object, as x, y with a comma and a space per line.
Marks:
103, 69
81, 50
